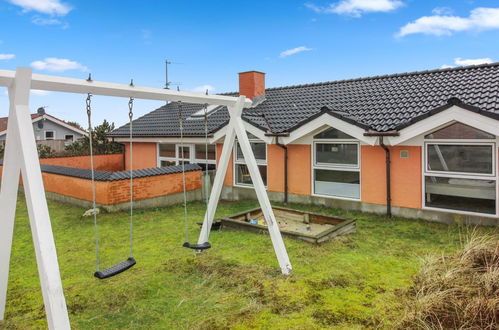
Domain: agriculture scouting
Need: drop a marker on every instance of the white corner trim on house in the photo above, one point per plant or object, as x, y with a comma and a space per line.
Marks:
443, 118
220, 134
328, 120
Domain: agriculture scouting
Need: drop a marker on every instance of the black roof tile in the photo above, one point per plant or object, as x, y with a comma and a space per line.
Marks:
115, 176
380, 103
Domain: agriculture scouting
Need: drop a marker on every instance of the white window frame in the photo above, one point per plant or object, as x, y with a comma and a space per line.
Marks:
459, 175
259, 162
336, 167
45, 135
72, 137
454, 142
192, 154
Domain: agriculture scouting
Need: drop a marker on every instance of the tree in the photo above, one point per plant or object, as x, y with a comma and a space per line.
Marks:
101, 144
75, 124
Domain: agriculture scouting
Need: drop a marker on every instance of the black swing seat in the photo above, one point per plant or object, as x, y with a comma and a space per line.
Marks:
202, 246
116, 269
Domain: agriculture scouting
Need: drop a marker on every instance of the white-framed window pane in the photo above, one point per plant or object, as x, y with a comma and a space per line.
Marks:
165, 163
336, 153
337, 183
460, 194
243, 176
185, 150
459, 131
259, 150
332, 133
201, 151
167, 150
211, 167
49, 135
460, 158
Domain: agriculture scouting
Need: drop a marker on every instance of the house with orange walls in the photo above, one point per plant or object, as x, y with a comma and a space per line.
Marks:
419, 145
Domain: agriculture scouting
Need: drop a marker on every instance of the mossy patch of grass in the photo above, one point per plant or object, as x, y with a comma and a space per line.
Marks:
350, 282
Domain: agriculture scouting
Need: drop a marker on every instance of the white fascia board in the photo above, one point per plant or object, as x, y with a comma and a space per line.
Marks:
257, 132
54, 120
453, 114
61, 123
328, 120
187, 140
220, 134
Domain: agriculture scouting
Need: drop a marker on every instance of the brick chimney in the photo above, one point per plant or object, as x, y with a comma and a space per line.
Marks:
252, 84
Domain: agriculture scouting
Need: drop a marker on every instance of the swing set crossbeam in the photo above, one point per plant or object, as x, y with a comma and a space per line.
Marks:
94, 87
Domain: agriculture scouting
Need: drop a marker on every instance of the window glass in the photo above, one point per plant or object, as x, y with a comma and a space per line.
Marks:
460, 158
336, 153
201, 151
167, 150
243, 176
49, 135
186, 152
258, 150
337, 183
459, 131
470, 195
68, 137
332, 133
167, 163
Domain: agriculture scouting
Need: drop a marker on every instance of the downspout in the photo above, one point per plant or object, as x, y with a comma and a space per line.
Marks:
388, 178
285, 147
381, 135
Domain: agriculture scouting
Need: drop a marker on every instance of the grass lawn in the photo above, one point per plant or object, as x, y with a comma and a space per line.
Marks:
352, 282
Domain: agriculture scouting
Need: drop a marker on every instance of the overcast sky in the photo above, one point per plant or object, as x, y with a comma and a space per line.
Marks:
294, 42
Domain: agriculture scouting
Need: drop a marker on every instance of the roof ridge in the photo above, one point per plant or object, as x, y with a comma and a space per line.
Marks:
391, 75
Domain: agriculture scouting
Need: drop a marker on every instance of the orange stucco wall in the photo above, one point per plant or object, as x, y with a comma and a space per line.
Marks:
111, 163
406, 176
144, 155
275, 168
229, 176
300, 169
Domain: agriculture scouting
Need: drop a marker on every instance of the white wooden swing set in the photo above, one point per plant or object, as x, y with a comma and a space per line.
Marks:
21, 158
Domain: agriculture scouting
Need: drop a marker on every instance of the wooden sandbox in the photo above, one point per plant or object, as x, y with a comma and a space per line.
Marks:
306, 226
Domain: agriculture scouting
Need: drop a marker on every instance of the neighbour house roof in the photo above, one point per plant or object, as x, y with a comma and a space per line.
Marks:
4, 121
36, 117
379, 103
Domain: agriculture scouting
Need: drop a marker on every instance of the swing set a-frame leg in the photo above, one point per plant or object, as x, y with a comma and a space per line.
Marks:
21, 154
236, 128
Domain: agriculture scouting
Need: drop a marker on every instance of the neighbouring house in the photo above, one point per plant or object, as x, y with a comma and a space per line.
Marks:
420, 144
49, 130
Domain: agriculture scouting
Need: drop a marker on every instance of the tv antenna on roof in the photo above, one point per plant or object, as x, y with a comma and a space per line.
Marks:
167, 82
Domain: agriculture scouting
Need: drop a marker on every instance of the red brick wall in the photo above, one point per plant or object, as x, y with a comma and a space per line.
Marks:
116, 192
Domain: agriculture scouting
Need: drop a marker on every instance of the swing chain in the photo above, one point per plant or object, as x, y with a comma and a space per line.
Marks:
130, 107
94, 204
89, 110
130, 117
